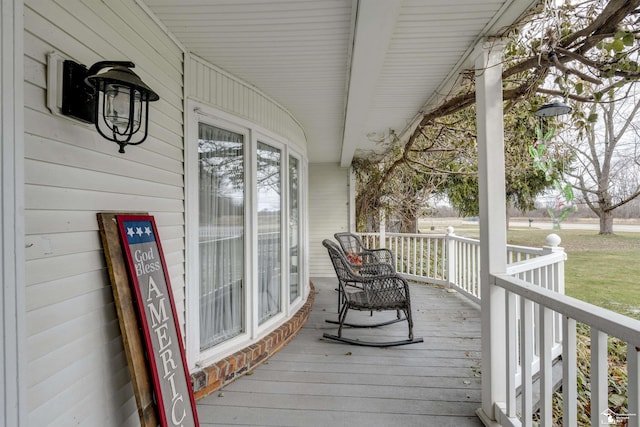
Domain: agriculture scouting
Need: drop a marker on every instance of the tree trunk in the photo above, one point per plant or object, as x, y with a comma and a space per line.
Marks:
409, 225
606, 222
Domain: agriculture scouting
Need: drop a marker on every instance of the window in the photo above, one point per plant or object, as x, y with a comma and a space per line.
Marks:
244, 210
269, 196
294, 228
221, 234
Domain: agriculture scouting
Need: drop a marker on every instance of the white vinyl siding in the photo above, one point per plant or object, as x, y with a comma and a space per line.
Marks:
212, 86
77, 371
328, 212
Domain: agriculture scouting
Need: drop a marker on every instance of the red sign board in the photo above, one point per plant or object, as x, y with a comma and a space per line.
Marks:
158, 320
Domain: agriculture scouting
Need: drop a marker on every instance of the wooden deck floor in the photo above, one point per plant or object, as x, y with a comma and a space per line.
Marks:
319, 382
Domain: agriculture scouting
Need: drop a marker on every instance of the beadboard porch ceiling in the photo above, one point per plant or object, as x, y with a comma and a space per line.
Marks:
350, 71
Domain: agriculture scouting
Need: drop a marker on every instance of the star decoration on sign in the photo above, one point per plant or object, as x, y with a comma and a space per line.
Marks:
139, 231
147, 231
130, 232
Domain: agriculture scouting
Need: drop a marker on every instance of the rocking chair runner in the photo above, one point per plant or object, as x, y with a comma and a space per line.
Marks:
352, 244
367, 293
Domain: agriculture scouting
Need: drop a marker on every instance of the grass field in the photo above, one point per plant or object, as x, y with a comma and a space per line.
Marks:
602, 270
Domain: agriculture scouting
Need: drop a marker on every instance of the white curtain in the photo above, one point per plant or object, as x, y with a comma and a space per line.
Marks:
221, 234
269, 231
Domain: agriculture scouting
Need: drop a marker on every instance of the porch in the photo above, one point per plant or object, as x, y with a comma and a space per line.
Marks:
314, 381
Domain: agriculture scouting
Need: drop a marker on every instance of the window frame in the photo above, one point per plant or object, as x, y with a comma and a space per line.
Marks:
252, 134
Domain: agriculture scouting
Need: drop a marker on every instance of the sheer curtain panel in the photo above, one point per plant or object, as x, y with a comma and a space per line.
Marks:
221, 234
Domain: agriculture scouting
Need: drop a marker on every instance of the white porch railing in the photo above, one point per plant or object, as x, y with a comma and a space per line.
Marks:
453, 261
538, 316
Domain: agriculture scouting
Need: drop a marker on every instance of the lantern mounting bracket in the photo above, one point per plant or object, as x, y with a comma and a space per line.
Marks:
78, 96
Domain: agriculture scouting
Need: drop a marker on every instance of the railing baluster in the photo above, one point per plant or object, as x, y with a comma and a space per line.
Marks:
569, 374
512, 353
429, 257
415, 255
422, 256
633, 381
599, 376
435, 257
545, 333
403, 256
526, 360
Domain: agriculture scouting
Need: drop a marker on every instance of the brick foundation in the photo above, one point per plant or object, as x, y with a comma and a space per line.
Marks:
221, 373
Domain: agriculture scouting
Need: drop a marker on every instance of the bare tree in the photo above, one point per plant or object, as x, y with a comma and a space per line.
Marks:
608, 155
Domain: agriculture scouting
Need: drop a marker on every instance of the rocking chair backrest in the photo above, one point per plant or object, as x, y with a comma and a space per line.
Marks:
350, 243
340, 263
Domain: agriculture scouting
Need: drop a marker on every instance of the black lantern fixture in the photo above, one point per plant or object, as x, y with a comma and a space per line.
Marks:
553, 109
116, 101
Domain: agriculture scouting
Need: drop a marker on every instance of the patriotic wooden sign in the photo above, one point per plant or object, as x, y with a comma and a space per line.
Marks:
158, 320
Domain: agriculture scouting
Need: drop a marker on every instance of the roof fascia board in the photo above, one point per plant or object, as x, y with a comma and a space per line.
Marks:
375, 23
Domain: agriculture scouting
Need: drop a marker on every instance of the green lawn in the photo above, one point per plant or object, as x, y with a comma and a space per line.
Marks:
602, 270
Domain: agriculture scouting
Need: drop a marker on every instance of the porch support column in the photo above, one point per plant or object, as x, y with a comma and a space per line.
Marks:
12, 293
493, 222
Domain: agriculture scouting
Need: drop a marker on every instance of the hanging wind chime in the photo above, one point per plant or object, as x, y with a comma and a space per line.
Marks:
564, 199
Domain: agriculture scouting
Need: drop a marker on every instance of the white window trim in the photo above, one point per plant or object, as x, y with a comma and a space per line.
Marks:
13, 325
196, 113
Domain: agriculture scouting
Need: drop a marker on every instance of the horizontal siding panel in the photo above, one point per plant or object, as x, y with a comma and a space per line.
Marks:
46, 150
50, 130
48, 317
328, 213
70, 199
53, 221
39, 346
54, 245
114, 411
52, 292
49, 174
81, 379
56, 268
97, 334
169, 232
59, 267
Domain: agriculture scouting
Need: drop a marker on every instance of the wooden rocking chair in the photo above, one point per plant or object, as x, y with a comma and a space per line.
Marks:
366, 290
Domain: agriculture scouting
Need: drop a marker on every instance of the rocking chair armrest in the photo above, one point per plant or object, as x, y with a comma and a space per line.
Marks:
383, 255
381, 251
395, 278
377, 269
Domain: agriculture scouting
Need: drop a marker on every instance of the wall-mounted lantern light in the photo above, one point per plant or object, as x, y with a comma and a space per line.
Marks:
116, 101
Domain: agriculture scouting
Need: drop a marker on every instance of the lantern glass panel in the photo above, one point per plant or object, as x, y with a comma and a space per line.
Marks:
117, 108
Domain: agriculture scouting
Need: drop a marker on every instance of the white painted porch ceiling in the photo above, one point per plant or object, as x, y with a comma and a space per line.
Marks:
348, 70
